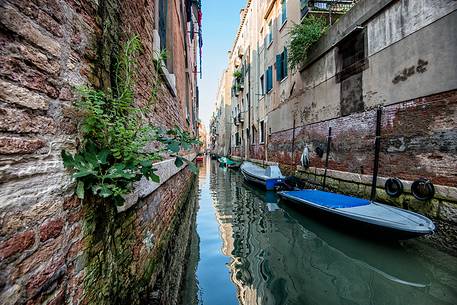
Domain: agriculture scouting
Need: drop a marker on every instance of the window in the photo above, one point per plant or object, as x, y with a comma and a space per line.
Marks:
283, 11
303, 8
351, 62
237, 139
269, 80
281, 65
270, 33
262, 85
163, 24
165, 28
262, 132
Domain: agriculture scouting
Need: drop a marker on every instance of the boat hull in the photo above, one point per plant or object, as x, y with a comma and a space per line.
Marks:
335, 218
268, 184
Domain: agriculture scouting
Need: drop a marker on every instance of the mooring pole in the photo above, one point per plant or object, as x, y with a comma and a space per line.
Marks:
329, 139
293, 143
377, 147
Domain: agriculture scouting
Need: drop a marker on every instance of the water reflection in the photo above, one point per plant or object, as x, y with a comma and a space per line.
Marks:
265, 253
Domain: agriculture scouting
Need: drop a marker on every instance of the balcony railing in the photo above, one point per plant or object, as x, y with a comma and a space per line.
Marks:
325, 6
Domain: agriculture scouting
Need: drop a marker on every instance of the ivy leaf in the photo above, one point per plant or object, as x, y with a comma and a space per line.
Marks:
155, 178
102, 156
186, 146
173, 147
179, 162
146, 163
193, 168
84, 173
105, 191
67, 158
80, 189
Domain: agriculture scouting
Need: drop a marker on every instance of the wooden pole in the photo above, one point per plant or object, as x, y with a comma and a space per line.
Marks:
329, 139
377, 147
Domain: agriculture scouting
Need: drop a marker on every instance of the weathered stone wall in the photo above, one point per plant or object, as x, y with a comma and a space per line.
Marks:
53, 248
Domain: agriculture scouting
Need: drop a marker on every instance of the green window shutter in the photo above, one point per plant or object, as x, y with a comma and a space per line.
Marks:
285, 63
278, 67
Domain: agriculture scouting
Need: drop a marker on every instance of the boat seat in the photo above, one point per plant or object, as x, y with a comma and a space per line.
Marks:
273, 171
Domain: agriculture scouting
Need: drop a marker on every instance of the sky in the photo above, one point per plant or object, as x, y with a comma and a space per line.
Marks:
220, 22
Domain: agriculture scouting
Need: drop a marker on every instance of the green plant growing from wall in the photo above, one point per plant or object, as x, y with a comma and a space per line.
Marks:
118, 146
302, 37
237, 74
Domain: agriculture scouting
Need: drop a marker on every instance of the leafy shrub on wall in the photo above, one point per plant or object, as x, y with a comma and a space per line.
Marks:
302, 37
118, 146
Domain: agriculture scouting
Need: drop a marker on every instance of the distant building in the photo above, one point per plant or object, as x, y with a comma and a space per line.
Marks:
203, 137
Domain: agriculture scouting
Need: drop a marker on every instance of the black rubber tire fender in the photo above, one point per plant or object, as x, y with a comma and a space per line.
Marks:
393, 187
423, 189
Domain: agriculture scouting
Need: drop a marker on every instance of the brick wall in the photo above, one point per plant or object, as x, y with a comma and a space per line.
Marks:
418, 140
48, 248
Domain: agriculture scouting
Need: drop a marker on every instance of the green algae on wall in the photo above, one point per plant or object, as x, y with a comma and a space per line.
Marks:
121, 266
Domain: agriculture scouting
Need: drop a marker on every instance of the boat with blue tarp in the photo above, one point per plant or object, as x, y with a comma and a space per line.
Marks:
366, 214
270, 177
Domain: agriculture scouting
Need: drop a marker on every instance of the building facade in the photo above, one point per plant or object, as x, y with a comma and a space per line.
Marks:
221, 120
55, 248
392, 54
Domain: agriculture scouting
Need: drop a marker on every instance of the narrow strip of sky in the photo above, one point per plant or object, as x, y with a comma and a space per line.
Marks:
221, 19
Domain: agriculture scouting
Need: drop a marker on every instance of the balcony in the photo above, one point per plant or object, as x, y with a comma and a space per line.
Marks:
327, 7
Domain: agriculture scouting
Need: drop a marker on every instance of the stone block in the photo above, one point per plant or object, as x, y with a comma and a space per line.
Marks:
11, 295
428, 208
16, 22
51, 229
15, 120
17, 95
16, 244
45, 253
448, 212
349, 188
16, 145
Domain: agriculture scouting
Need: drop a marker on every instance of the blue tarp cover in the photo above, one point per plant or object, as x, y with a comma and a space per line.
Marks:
327, 199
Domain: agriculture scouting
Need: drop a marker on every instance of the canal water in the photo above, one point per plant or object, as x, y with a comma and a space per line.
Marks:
250, 249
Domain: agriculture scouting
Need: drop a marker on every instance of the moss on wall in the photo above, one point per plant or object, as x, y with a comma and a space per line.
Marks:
119, 269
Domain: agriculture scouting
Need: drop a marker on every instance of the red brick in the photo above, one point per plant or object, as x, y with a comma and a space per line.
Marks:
58, 299
45, 253
19, 71
43, 281
22, 122
75, 248
73, 217
16, 244
71, 202
15, 145
51, 229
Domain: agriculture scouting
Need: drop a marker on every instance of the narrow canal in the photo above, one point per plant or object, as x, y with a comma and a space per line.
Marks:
250, 249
